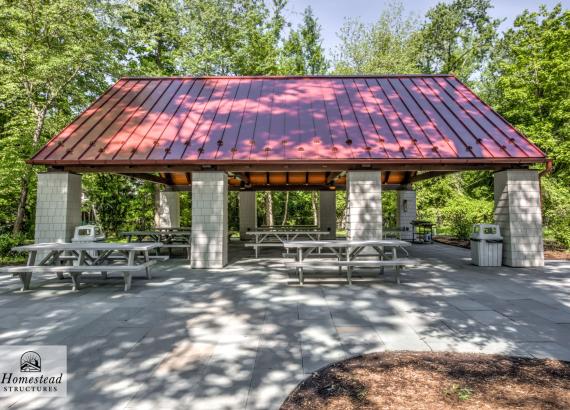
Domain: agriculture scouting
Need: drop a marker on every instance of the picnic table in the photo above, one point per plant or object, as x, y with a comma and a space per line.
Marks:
303, 228
347, 253
80, 257
267, 238
168, 238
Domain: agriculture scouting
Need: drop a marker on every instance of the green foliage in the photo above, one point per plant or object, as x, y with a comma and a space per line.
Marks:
458, 392
556, 209
384, 47
456, 202
152, 35
7, 242
225, 37
109, 195
55, 57
462, 212
302, 51
457, 37
529, 81
389, 203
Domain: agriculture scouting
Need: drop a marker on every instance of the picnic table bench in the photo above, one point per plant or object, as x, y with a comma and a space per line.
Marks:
77, 258
169, 238
347, 252
264, 239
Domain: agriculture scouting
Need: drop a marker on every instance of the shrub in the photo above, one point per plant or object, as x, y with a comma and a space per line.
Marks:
8, 241
459, 215
556, 210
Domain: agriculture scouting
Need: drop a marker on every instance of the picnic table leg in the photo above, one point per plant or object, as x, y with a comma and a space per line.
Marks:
32, 258
131, 258
147, 269
300, 268
348, 267
128, 280
75, 276
55, 262
398, 274
25, 278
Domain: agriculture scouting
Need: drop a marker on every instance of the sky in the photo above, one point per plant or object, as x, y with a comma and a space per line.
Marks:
331, 13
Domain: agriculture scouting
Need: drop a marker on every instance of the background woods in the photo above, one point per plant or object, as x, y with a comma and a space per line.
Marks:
57, 56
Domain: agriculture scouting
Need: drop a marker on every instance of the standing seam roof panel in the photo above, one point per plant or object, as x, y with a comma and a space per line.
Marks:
65, 144
444, 144
98, 145
170, 138
248, 122
88, 113
235, 120
499, 123
385, 135
167, 122
110, 121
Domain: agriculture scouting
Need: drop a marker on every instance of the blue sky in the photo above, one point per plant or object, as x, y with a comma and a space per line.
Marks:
331, 13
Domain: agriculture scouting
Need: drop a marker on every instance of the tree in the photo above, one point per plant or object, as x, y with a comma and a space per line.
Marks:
528, 82
384, 47
302, 51
231, 37
55, 56
109, 195
153, 31
457, 38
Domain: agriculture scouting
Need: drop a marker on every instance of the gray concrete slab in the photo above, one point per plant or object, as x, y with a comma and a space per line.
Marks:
246, 335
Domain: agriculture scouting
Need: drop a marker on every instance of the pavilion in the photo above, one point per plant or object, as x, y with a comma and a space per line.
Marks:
364, 134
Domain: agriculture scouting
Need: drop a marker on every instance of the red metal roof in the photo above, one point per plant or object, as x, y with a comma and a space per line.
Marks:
235, 119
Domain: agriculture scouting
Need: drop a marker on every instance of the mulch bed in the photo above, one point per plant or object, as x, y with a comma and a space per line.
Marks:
450, 240
408, 380
551, 251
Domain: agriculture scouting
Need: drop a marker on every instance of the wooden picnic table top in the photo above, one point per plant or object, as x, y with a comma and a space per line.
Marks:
88, 246
345, 243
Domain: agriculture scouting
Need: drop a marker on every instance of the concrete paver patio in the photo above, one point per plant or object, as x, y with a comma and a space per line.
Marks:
244, 336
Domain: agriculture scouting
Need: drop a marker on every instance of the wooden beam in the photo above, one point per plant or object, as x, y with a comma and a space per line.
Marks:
147, 177
428, 175
331, 176
289, 188
261, 167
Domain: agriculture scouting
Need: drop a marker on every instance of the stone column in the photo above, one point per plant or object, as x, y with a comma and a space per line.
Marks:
406, 212
58, 209
247, 214
209, 219
327, 213
517, 212
364, 197
167, 209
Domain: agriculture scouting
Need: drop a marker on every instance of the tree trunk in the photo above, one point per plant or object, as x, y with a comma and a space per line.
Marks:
25, 187
315, 208
285, 208
268, 208
20, 213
